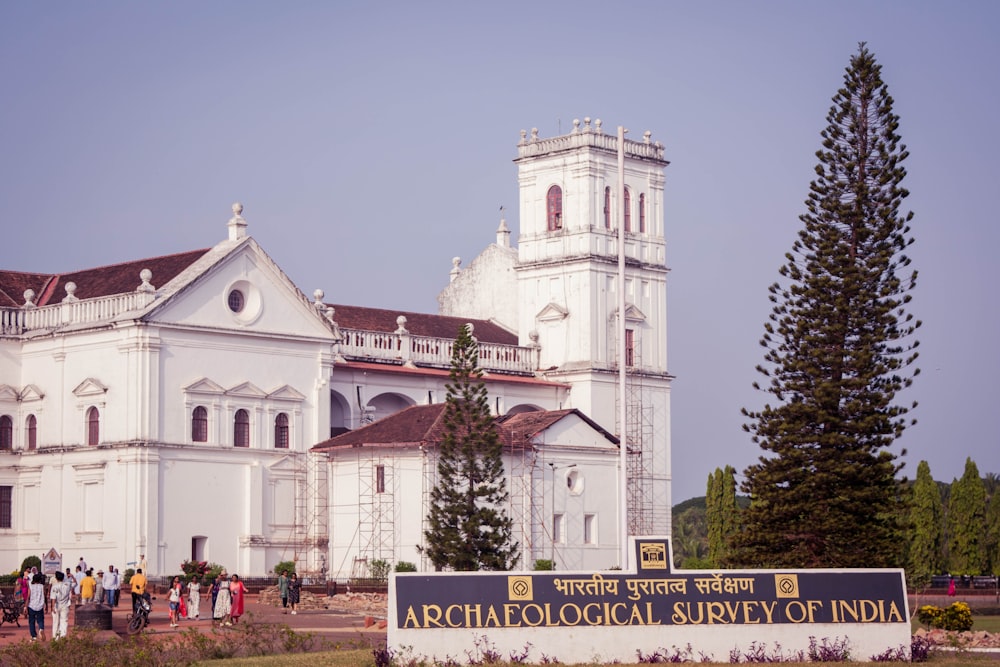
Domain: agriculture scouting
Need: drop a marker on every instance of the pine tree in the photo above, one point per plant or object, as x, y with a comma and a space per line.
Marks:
967, 523
469, 529
924, 558
722, 515
839, 346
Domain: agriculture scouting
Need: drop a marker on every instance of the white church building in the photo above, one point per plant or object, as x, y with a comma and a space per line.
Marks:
200, 405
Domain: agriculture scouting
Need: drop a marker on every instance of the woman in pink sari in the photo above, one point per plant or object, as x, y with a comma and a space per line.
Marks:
236, 591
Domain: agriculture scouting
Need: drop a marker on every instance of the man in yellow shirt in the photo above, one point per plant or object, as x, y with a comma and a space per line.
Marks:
138, 582
87, 586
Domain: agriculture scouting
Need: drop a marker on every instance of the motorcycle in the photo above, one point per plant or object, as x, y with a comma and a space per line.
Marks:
139, 618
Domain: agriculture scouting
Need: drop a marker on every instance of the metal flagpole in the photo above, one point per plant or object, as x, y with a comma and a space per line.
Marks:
623, 443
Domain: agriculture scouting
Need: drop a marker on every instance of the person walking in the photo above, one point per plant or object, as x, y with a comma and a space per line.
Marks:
99, 588
138, 582
236, 592
294, 589
61, 594
194, 599
36, 607
88, 587
283, 591
110, 583
223, 601
175, 601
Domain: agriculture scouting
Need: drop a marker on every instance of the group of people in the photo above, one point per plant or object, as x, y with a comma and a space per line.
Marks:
58, 591
289, 588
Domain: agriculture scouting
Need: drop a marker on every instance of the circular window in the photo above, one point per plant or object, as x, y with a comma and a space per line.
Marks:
236, 301
574, 482
243, 301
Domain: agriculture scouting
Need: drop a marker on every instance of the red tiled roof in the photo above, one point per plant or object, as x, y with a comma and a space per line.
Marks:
424, 425
420, 324
90, 283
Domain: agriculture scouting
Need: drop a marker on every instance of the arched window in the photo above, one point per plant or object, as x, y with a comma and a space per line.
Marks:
281, 431
199, 425
6, 432
628, 211
642, 213
93, 426
241, 429
607, 208
553, 206
31, 432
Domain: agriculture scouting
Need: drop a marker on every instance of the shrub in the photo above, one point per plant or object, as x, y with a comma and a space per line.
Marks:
378, 570
30, 562
287, 565
957, 616
403, 566
543, 565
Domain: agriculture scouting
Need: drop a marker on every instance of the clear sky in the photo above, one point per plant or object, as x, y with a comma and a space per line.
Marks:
371, 142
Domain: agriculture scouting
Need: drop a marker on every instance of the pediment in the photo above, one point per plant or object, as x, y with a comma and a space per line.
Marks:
90, 387
632, 314
286, 464
31, 393
287, 393
8, 393
551, 313
246, 390
204, 386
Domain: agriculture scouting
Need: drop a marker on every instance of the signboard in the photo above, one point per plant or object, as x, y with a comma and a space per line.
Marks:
651, 607
51, 562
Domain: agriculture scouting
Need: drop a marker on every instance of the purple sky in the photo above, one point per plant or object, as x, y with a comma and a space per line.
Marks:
371, 142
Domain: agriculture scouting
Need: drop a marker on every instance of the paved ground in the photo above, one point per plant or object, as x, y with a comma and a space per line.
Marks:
340, 623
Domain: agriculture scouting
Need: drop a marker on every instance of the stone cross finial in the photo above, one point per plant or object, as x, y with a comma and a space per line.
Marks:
455, 263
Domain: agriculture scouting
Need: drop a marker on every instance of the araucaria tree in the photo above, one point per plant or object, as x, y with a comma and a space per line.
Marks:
839, 347
469, 528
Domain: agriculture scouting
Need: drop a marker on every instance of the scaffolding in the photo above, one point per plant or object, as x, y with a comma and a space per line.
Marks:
310, 530
377, 491
428, 477
525, 512
642, 513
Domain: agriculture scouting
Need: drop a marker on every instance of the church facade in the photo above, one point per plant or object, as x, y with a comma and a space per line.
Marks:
189, 406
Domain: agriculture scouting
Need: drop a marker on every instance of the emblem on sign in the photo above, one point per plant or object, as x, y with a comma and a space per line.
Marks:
786, 585
519, 588
654, 556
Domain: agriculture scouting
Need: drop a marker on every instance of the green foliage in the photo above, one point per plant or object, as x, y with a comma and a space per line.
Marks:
957, 616
286, 566
838, 348
404, 566
993, 528
127, 576
690, 535
206, 572
543, 565
967, 523
378, 569
924, 557
722, 515
30, 562
469, 528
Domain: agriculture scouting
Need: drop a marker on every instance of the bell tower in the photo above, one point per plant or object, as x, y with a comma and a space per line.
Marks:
568, 292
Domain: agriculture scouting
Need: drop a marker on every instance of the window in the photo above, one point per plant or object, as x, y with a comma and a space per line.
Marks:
628, 211
281, 431
607, 208
31, 432
642, 213
380, 479
6, 506
629, 347
241, 429
93, 426
589, 526
558, 529
6, 432
553, 205
199, 425
236, 301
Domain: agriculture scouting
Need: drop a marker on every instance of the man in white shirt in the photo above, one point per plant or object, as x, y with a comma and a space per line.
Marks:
110, 583
60, 595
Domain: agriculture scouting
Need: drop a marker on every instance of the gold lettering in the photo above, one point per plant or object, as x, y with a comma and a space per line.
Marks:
411, 619
800, 611
447, 615
894, 615
679, 617
508, 613
432, 616
650, 620
532, 608
769, 611
813, 606
591, 620
491, 617
715, 610
614, 613
473, 610
869, 611
849, 608
562, 614
748, 616
635, 618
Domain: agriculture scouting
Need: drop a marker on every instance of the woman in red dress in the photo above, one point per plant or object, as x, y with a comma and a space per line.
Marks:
236, 591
